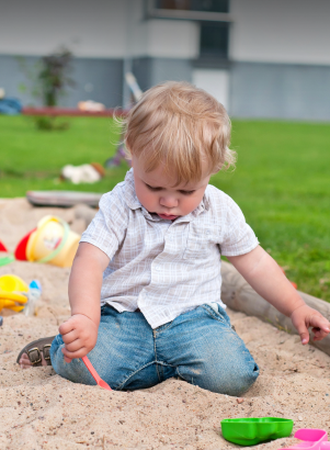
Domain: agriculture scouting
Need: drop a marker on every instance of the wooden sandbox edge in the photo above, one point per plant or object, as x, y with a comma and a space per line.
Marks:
238, 295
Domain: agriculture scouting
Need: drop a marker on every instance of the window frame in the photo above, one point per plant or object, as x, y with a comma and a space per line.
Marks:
202, 17
152, 12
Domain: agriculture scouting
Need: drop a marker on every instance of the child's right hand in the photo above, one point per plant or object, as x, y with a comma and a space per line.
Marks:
79, 334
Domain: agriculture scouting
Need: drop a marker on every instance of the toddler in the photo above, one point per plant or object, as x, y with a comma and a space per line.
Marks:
145, 284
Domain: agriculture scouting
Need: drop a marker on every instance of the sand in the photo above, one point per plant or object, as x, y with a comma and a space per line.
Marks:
41, 410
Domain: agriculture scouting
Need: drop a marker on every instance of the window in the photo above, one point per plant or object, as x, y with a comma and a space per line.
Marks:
173, 4
205, 10
213, 16
220, 6
214, 40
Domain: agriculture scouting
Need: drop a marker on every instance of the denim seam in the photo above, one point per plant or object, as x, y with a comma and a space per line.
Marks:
183, 378
160, 363
164, 327
155, 352
132, 374
212, 313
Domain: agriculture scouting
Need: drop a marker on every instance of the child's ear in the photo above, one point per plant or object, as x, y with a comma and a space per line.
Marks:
128, 149
220, 167
216, 170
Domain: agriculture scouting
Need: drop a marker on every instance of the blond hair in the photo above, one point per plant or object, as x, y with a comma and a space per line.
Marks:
182, 127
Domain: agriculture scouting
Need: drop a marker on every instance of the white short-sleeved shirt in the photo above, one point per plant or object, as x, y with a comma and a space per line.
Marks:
165, 268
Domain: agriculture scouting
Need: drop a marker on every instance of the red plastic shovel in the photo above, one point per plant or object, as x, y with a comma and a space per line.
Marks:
94, 374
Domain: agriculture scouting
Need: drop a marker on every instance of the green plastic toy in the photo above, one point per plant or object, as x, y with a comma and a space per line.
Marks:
252, 431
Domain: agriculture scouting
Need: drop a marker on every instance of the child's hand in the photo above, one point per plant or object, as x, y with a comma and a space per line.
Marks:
79, 334
305, 317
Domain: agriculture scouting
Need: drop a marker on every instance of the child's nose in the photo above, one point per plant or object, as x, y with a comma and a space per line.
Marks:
169, 201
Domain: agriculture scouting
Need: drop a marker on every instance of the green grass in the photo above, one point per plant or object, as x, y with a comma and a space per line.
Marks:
282, 181
32, 160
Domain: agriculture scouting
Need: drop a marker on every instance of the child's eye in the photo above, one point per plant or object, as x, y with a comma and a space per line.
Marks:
151, 188
187, 192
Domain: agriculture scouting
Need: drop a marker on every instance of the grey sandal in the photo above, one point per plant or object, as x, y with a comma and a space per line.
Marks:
36, 349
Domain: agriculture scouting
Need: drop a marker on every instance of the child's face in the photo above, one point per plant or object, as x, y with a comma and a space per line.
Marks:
156, 192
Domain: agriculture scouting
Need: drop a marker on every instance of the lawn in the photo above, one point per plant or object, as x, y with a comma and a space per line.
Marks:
31, 159
281, 182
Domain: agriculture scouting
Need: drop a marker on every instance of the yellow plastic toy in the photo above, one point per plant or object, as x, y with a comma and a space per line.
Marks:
51, 242
12, 295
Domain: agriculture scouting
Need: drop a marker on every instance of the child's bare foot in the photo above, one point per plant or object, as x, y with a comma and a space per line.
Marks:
35, 354
25, 362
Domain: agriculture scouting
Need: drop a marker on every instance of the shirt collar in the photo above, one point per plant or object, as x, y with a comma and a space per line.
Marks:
130, 196
133, 202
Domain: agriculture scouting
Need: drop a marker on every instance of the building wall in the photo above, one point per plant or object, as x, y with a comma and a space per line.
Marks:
283, 91
150, 71
281, 31
105, 36
94, 31
281, 61
91, 29
215, 81
99, 79
279, 58
173, 39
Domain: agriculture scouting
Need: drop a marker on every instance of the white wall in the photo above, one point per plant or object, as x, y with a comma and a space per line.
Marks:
91, 28
159, 38
215, 82
289, 31
173, 39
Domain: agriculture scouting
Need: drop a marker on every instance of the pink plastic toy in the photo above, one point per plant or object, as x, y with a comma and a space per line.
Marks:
94, 374
314, 439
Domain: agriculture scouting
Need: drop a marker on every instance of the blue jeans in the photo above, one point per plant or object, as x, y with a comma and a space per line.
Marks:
199, 347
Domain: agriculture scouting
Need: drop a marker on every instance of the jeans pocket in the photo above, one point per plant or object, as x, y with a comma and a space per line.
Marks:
219, 315
103, 309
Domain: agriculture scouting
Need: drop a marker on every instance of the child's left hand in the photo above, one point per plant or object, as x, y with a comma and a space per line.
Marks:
266, 277
305, 317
